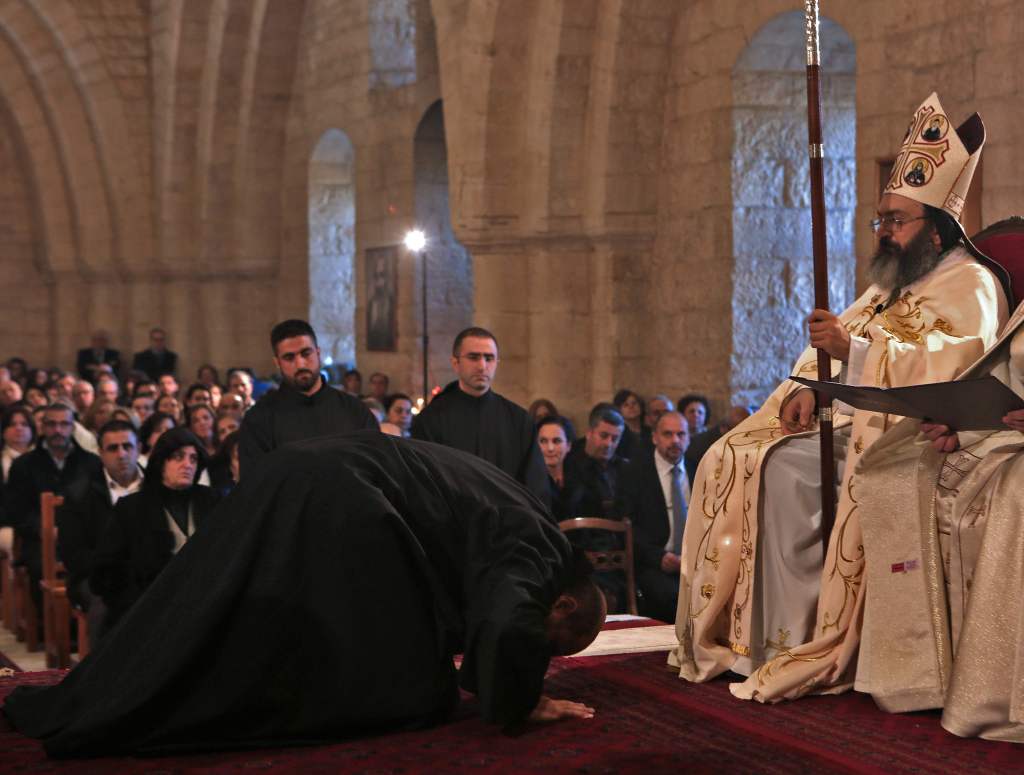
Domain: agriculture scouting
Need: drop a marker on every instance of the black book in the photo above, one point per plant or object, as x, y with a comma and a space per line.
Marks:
964, 405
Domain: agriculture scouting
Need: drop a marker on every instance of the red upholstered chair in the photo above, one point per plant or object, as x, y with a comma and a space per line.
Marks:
1003, 243
610, 559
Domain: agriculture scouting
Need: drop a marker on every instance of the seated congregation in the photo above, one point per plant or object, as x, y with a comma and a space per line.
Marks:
474, 526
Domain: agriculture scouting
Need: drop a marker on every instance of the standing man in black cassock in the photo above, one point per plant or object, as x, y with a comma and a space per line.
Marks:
305, 406
325, 599
468, 415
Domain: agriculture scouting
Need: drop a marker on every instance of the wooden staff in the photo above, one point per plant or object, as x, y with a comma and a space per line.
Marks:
817, 153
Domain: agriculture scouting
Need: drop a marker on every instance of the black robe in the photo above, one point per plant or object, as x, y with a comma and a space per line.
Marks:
490, 427
285, 415
325, 599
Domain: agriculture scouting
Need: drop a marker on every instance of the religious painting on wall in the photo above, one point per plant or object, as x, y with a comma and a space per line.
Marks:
382, 298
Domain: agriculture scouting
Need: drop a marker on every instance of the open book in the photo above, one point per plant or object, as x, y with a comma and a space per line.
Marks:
965, 405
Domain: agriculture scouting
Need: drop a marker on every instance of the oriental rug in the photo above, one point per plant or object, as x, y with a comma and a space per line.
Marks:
647, 721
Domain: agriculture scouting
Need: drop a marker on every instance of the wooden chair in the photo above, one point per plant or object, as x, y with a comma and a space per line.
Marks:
57, 610
610, 559
7, 617
1003, 243
26, 616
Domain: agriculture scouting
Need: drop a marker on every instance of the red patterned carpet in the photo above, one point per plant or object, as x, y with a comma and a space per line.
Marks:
648, 721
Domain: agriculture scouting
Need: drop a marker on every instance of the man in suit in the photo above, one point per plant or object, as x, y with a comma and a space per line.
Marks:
88, 509
655, 493
157, 359
91, 358
57, 465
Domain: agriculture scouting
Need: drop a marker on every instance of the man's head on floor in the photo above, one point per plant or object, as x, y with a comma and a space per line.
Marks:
579, 611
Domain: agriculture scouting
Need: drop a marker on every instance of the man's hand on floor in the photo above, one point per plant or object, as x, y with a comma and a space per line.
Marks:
553, 710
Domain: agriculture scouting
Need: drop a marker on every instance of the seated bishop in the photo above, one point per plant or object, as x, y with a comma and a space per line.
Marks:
941, 517
758, 595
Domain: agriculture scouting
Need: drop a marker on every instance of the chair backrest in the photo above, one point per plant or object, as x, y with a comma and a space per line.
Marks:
610, 559
1003, 243
48, 504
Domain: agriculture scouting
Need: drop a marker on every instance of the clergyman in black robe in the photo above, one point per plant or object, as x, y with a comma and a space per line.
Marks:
470, 416
325, 599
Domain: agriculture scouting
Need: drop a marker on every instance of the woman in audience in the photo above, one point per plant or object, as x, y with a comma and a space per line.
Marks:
35, 396
18, 432
553, 437
216, 393
540, 409
150, 526
631, 407
152, 429
227, 423
38, 377
399, 412
208, 376
202, 422
37, 419
52, 390
694, 407
224, 466
169, 405
18, 370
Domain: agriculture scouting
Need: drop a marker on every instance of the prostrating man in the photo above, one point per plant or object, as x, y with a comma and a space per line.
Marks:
943, 614
408, 553
97, 354
305, 406
752, 561
57, 465
87, 511
157, 359
470, 416
655, 495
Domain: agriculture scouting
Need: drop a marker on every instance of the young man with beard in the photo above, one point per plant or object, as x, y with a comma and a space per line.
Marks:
305, 406
754, 584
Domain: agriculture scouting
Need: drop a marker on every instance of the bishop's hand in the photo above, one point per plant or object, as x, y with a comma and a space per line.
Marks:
553, 710
943, 438
829, 334
1014, 420
797, 412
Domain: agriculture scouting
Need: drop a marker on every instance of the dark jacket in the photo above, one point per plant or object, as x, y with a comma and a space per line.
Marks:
31, 475
590, 489
491, 427
642, 499
155, 365
87, 357
83, 519
136, 546
286, 415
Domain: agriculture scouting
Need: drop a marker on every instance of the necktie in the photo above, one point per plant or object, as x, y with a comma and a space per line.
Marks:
678, 510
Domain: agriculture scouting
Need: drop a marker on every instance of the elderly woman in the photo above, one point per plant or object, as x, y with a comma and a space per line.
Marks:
150, 526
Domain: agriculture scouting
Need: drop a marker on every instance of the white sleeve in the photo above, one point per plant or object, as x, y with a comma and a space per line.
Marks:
852, 370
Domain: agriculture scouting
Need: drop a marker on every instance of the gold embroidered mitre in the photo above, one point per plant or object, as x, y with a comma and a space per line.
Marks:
936, 164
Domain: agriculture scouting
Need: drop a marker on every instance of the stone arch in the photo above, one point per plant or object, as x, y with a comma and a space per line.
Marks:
449, 265
332, 245
771, 225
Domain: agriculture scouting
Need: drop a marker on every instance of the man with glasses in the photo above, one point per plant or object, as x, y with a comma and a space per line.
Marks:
755, 582
468, 415
57, 465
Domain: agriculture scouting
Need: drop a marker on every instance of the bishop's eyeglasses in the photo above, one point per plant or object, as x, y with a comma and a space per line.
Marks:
892, 224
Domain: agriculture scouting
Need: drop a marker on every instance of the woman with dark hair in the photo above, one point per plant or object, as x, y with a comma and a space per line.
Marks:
18, 431
35, 396
554, 437
169, 405
631, 407
540, 409
150, 526
224, 465
201, 420
695, 408
399, 412
152, 429
208, 375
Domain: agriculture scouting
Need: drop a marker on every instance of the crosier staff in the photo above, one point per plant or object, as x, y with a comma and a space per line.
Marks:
820, 244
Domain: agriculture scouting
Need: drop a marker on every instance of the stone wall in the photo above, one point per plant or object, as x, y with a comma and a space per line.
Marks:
163, 155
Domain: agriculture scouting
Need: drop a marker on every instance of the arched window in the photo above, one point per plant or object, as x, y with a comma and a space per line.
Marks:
773, 283
332, 246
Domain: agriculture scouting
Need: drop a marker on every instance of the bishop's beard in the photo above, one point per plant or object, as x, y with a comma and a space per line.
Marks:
894, 268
